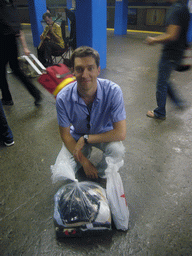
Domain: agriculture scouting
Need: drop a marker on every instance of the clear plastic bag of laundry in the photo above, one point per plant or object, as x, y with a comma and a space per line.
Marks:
83, 205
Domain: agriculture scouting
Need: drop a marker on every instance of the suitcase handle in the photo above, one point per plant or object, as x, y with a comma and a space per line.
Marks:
33, 65
63, 75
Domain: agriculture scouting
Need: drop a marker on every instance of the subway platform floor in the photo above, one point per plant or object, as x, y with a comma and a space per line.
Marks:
157, 173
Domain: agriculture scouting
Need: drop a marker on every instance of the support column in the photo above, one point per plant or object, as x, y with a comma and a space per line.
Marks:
121, 13
91, 24
36, 10
189, 36
71, 4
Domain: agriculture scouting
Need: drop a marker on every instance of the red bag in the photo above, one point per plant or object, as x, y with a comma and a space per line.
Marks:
53, 77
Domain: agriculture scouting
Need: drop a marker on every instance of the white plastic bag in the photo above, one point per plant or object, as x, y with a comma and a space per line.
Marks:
62, 169
115, 194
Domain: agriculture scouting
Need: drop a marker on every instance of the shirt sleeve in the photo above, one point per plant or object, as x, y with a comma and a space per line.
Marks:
118, 112
175, 17
58, 31
62, 115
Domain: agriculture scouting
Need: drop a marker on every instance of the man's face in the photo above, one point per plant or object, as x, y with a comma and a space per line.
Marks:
86, 72
48, 20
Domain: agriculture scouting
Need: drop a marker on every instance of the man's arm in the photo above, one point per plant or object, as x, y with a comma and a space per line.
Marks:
70, 143
23, 42
56, 33
172, 34
118, 133
45, 32
66, 137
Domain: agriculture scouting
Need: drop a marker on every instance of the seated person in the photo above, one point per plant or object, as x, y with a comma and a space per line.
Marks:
51, 41
91, 113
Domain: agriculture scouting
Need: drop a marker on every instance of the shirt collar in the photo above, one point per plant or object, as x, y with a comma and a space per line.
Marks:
77, 98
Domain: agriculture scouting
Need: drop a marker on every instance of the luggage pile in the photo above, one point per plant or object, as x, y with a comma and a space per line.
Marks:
55, 77
85, 208
81, 207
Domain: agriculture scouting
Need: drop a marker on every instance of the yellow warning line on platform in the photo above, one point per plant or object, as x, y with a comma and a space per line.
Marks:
128, 30
140, 31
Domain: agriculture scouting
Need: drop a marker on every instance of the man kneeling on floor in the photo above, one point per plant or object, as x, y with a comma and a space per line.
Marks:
90, 113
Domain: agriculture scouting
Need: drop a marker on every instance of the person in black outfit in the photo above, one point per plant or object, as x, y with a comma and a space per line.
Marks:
10, 30
6, 135
71, 16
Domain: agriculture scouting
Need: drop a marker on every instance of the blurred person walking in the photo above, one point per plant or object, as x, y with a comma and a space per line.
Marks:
6, 135
10, 30
175, 41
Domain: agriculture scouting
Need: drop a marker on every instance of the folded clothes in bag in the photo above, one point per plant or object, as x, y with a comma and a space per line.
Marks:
81, 207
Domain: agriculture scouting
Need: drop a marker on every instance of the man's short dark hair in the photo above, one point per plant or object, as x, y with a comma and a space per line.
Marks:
85, 51
46, 14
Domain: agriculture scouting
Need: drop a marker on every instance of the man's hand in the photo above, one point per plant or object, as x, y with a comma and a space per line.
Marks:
90, 170
26, 51
78, 148
150, 40
51, 29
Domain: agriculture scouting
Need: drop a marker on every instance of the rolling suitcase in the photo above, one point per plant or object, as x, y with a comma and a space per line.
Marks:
31, 66
55, 78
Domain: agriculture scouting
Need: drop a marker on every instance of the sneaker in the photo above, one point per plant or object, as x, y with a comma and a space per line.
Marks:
8, 144
10, 71
7, 102
182, 68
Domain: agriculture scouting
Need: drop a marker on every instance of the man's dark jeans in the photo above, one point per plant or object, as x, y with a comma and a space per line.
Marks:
5, 131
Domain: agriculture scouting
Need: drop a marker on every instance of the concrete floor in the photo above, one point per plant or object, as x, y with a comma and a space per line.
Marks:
156, 174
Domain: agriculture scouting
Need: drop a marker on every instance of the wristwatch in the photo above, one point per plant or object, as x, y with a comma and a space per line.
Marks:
86, 137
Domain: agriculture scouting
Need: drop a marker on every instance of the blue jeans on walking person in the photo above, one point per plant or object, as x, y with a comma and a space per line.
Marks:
5, 131
164, 86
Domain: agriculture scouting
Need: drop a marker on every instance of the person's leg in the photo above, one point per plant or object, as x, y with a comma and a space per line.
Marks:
5, 131
165, 68
52, 49
65, 163
115, 150
4, 48
14, 64
47, 52
41, 55
172, 93
174, 96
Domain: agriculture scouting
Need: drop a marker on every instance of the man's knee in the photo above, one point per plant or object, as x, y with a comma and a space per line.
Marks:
115, 149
